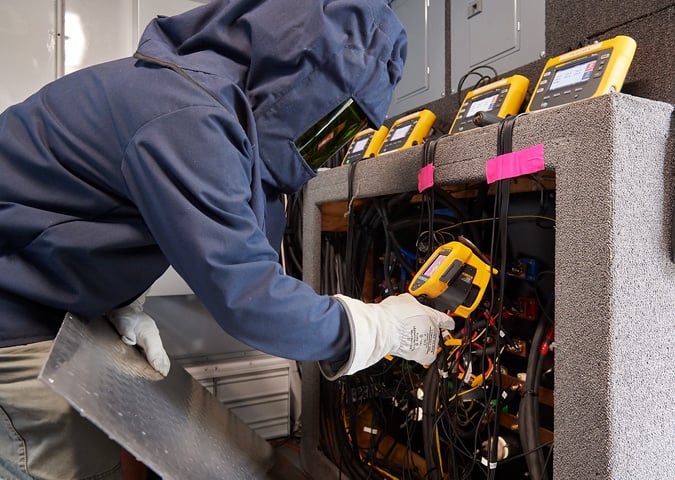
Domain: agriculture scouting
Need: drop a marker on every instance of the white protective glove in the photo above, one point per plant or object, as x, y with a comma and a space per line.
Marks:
399, 326
137, 328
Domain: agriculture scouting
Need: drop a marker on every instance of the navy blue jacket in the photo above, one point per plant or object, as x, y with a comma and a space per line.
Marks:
178, 156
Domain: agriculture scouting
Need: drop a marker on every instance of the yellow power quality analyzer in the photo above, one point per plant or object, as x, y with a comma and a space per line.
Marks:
587, 72
501, 99
408, 131
366, 144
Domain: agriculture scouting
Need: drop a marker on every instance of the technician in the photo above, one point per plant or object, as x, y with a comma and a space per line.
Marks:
178, 156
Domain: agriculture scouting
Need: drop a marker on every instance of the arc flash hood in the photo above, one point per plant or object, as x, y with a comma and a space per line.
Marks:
294, 61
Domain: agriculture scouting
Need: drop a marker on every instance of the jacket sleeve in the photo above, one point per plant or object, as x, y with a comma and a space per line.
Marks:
190, 173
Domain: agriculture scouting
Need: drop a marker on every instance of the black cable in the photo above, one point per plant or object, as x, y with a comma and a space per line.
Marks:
353, 242
474, 71
522, 455
499, 249
386, 260
428, 157
429, 432
528, 412
545, 466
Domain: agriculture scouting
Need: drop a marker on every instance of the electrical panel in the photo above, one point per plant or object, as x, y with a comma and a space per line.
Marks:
424, 73
503, 35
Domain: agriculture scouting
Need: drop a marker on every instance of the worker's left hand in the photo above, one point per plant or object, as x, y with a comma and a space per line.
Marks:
137, 328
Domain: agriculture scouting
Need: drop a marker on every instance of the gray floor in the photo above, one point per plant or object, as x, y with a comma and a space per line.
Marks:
288, 461
287, 466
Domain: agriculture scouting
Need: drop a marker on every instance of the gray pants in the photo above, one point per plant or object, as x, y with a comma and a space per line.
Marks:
41, 436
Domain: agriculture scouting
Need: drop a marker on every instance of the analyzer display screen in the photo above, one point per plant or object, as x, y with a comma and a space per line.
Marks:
483, 105
574, 74
361, 144
401, 132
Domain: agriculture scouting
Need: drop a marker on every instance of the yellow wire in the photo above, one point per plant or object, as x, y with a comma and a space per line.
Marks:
482, 332
383, 472
482, 220
463, 393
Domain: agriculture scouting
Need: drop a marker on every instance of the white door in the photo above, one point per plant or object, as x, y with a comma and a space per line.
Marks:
27, 48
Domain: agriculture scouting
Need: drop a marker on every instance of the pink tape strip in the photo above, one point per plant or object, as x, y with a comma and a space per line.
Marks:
515, 164
425, 178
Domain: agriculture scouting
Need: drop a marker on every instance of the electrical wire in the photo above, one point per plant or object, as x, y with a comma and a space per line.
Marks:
461, 416
529, 408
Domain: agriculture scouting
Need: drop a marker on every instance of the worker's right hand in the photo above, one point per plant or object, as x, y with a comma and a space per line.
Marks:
137, 328
399, 326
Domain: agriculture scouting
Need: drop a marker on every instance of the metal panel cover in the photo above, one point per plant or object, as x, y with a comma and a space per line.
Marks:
424, 74
505, 34
492, 32
172, 425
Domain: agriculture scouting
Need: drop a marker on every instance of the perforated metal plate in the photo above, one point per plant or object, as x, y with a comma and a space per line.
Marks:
173, 425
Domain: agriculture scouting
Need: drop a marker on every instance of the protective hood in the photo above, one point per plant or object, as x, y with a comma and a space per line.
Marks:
292, 60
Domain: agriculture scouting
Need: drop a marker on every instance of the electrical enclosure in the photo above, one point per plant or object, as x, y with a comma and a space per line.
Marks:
503, 34
424, 74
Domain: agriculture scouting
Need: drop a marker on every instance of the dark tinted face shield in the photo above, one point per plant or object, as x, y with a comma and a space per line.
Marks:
331, 133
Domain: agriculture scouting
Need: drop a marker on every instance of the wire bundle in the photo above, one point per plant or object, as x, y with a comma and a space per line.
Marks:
382, 422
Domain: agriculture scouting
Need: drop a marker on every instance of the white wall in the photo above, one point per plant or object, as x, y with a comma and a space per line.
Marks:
41, 40
27, 47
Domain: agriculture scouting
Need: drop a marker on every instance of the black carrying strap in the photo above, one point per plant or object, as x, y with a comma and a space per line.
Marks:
505, 135
501, 211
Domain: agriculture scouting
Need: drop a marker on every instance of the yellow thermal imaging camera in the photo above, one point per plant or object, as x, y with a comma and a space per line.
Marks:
366, 144
587, 72
501, 99
408, 131
454, 277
